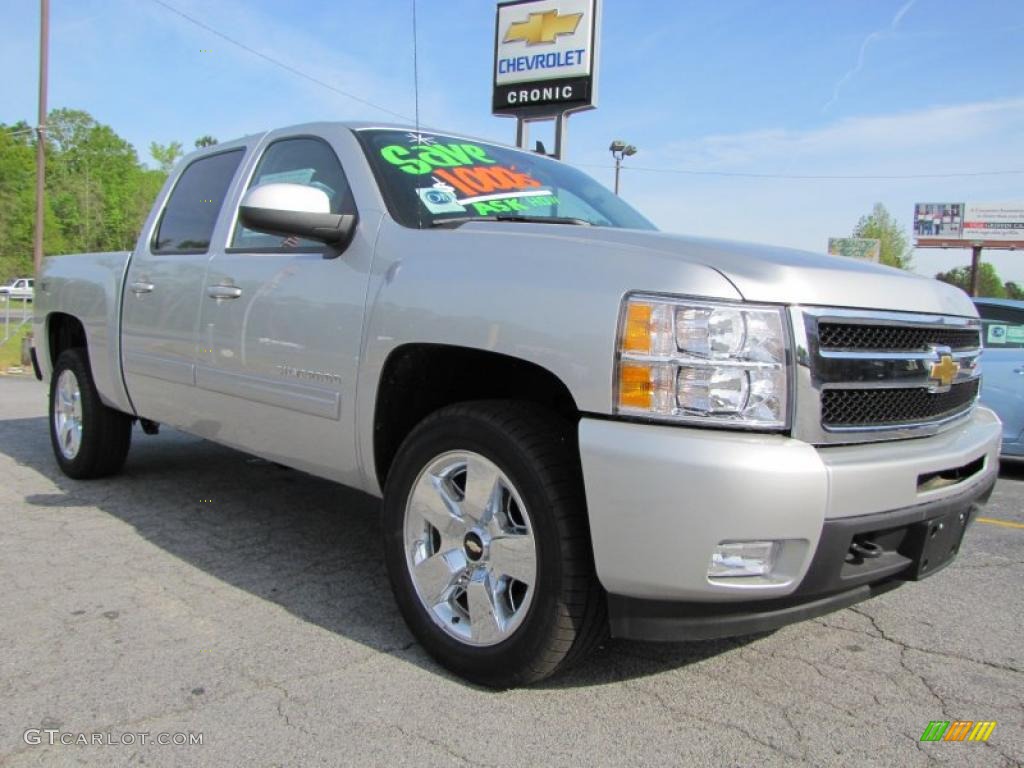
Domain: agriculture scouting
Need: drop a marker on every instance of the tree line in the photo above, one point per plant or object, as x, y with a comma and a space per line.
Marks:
98, 193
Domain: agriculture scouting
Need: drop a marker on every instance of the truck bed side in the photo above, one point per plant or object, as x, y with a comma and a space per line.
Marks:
81, 294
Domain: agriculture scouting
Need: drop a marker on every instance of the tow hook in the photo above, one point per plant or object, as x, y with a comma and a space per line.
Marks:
865, 549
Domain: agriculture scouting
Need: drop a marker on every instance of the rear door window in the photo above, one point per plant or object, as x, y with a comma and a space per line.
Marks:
190, 215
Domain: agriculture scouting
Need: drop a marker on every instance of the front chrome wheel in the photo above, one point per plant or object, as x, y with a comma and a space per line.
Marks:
470, 548
67, 414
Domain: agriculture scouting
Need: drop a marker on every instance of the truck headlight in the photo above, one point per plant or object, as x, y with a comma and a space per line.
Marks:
702, 362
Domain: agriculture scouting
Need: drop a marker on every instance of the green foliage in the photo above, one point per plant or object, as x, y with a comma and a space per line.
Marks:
98, 194
880, 225
989, 283
166, 154
1013, 291
18, 204
205, 141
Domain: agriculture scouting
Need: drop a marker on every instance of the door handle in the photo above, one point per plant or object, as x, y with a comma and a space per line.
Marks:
223, 292
1019, 370
140, 287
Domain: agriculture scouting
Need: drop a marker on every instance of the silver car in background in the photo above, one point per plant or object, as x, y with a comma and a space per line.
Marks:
1003, 390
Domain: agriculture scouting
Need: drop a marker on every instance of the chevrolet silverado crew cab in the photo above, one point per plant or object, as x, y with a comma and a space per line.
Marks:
578, 425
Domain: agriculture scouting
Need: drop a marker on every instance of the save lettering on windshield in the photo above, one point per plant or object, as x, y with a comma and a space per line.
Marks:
428, 178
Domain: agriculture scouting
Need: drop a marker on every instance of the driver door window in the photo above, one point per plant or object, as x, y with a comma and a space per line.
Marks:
306, 161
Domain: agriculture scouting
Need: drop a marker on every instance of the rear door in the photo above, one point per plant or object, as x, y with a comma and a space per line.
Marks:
164, 289
281, 324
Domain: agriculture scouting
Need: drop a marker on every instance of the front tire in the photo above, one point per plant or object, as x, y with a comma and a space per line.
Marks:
89, 439
487, 543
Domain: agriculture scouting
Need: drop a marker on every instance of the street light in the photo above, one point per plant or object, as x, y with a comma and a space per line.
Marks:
619, 150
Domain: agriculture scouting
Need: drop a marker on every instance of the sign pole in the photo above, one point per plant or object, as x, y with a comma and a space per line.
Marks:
561, 128
975, 268
44, 46
522, 133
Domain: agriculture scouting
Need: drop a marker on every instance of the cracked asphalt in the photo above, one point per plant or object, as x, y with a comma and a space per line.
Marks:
205, 591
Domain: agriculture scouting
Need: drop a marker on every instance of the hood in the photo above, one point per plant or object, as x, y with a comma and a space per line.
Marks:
770, 274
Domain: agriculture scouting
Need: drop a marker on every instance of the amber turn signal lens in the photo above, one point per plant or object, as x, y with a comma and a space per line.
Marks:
635, 386
637, 333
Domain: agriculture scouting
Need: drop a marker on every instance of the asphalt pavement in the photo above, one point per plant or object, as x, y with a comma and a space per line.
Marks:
205, 595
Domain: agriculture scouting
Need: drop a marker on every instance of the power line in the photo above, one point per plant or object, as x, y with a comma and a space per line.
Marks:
810, 177
277, 63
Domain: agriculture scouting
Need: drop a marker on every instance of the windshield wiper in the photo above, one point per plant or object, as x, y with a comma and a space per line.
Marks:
542, 219
455, 221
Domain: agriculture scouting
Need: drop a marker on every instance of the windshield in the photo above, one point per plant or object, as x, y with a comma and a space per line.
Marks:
428, 179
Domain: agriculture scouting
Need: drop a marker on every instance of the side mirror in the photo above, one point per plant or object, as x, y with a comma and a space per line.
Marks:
295, 209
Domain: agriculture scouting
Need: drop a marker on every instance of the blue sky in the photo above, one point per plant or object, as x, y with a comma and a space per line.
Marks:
837, 87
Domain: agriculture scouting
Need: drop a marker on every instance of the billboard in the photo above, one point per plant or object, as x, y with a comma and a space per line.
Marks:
962, 225
545, 57
860, 248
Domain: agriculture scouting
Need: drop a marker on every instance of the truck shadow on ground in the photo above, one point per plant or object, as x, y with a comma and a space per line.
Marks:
306, 544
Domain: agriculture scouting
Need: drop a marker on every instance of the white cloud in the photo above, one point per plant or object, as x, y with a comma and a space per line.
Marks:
910, 139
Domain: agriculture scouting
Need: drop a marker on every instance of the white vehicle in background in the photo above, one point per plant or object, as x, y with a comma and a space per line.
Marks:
20, 289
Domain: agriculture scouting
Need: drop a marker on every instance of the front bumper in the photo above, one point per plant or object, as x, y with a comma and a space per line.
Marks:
661, 498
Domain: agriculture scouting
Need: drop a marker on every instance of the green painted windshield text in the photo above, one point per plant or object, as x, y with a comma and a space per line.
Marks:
420, 160
513, 205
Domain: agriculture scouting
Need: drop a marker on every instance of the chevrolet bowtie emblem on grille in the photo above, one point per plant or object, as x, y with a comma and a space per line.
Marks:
943, 372
542, 27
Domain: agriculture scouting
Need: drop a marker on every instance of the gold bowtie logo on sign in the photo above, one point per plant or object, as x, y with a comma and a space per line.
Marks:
944, 371
542, 27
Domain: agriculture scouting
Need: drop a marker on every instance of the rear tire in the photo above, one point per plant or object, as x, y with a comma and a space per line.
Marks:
487, 543
89, 439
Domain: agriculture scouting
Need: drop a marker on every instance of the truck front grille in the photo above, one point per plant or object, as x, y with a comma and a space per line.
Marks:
882, 375
874, 407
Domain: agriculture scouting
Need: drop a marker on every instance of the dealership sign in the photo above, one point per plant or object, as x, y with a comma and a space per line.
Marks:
960, 225
545, 57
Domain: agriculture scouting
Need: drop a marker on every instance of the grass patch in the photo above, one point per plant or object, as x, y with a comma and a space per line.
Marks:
10, 352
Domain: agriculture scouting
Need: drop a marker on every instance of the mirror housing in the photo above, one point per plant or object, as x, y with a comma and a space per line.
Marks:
295, 210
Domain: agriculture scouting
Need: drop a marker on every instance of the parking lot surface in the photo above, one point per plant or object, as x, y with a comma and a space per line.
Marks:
206, 592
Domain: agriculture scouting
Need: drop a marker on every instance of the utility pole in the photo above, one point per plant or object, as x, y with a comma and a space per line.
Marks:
975, 268
44, 50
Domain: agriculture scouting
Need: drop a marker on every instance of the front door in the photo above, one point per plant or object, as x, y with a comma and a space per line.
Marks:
280, 328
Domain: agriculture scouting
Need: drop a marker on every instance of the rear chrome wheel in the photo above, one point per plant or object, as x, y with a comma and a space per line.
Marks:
89, 439
67, 414
470, 548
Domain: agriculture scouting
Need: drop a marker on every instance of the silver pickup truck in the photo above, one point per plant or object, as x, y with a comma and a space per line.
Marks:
578, 425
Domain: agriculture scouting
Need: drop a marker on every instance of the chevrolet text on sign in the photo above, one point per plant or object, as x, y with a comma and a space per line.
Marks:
544, 56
